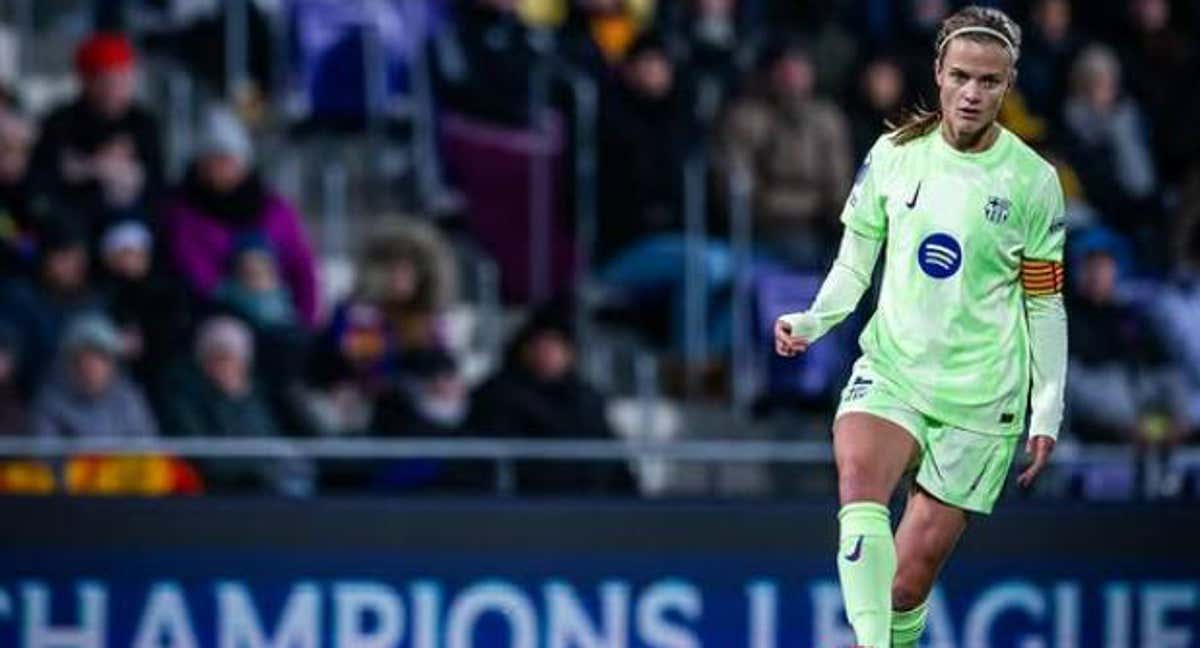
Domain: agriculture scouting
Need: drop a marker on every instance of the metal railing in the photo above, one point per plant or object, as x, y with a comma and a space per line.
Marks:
466, 448
1067, 453
1152, 470
745, 352
547, 73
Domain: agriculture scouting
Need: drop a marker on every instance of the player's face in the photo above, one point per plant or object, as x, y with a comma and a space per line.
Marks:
972, 78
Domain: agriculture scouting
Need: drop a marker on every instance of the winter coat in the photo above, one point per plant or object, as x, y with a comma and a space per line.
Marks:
199, 242
60, 410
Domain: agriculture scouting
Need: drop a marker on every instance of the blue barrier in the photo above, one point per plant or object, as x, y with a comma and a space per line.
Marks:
459, 574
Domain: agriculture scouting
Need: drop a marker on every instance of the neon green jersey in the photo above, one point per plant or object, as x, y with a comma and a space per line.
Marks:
950, 332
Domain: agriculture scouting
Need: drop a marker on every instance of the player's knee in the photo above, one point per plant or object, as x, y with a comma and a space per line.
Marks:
907, 595
859, 482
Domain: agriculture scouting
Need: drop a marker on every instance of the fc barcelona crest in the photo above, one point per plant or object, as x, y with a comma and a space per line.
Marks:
996, 210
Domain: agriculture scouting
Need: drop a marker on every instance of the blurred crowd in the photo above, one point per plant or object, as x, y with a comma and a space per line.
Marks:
135, 304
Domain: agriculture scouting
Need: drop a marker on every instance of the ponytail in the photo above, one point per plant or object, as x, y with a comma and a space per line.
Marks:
916, 122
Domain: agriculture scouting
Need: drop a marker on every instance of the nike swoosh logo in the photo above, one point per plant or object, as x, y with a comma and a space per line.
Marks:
855, 553
913, 203
975, 484
979, 477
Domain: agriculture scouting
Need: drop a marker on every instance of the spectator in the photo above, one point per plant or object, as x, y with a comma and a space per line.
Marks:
599, 33
1162, 69
882, 91
220, 398
914, 37
834, 46
39, 307
149, 308
100, 154
222, 199
429, 400
645, 131
1046, 54
1107, 140
646, 136
253, 289
13, 417
717, 47
187, 32
1176, 314
254, 292
484, 62
87, 396
796, 148
405, 282
16, 223
1121, 386
539, 393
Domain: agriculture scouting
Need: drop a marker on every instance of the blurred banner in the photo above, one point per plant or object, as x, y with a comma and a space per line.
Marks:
457, 574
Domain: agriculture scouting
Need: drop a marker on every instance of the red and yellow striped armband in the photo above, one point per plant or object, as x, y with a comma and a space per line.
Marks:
1041, 277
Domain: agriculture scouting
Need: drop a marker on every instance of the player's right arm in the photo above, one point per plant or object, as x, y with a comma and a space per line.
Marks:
850, 276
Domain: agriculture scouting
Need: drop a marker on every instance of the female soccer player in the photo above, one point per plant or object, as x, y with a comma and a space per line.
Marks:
970, 319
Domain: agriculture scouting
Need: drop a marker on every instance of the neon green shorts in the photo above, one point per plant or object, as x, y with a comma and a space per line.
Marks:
960, 467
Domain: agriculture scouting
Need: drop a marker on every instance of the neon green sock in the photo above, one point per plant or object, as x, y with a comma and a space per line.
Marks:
867, 565
907, 626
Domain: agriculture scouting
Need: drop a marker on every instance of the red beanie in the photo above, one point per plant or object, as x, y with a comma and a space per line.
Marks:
101, 52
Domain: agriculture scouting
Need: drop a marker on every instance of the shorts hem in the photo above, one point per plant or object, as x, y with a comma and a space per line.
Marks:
866, 409
950, 501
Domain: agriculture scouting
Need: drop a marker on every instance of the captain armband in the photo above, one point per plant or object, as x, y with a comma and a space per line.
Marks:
1040, 278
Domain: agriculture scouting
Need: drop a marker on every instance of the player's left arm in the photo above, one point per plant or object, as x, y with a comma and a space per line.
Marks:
1042, 279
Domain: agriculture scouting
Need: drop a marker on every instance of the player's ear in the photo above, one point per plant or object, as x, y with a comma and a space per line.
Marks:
1012, 82
937, 71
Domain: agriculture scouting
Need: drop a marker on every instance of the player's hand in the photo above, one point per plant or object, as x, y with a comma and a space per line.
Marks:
1039, 448
786, 345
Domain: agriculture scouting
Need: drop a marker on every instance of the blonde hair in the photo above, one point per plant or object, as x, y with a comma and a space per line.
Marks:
973, 23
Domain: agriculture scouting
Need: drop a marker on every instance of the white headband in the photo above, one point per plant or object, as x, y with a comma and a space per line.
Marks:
961, 31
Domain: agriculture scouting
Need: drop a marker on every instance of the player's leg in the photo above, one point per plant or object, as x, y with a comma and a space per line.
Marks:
927, 534
961, 471
872, 454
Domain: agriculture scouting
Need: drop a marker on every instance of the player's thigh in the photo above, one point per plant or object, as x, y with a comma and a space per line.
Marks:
927, 534
963, 468
872, 454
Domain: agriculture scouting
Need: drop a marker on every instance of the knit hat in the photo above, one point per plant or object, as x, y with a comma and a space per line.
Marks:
252, 241
227, 334
247, 243
1098, 240
125, 235
554, 316
92, 332
103, 52
222, 133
